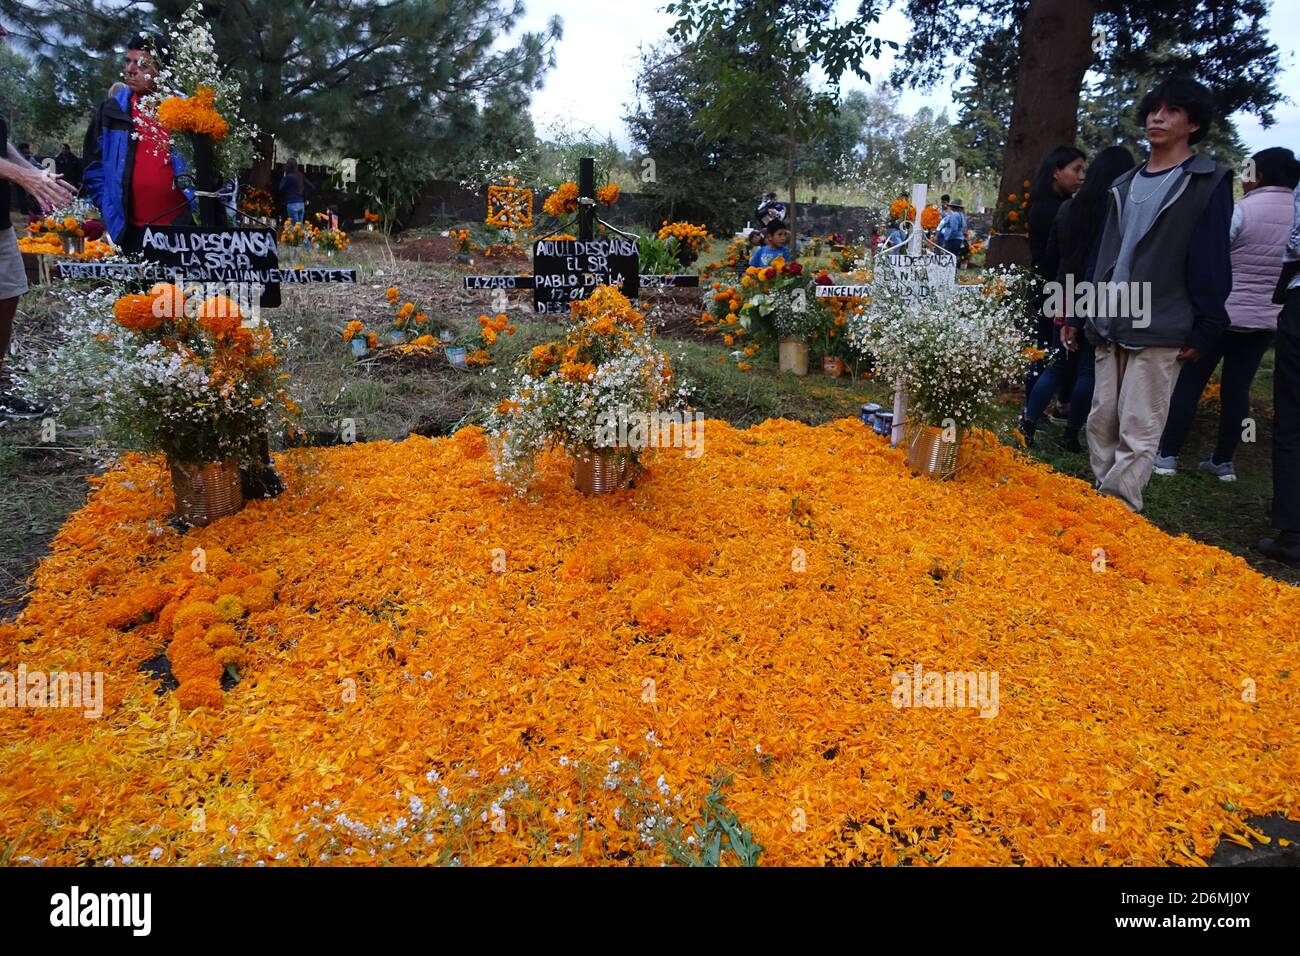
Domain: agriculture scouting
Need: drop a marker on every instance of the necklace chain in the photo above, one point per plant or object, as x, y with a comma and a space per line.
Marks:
1157, 188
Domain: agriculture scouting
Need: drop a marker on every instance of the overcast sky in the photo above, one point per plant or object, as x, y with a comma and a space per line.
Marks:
593, 80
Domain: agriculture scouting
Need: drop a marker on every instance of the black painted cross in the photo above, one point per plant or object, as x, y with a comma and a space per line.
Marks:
565, 270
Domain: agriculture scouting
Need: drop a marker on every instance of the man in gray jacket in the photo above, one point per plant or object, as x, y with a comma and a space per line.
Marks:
1163, 273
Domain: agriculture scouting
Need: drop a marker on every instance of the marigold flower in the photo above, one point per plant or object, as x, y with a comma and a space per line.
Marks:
201, 692
136, 312
221, 635
229, 607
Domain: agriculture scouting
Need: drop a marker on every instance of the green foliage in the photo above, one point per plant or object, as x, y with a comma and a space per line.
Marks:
444, 78
393, 180
689, 172
658, 257
984, 104
31, 108
1106, 109
565, 144
718, 832
790, 39
1222, 43
772, 68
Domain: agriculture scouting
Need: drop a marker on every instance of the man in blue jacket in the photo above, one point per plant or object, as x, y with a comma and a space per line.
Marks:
133, 174
951, 234
1165, 247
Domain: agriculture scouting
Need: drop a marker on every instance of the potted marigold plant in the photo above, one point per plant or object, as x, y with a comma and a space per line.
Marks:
69, 226
796, 316
574, 393
777, 303
184, 376
684, 240
949, 353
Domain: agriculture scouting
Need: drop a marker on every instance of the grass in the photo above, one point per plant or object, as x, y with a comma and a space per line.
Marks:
46, 481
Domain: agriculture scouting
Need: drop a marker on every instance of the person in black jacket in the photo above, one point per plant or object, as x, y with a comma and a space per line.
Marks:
1072, 245
67, 165
1059, 176
1165, 264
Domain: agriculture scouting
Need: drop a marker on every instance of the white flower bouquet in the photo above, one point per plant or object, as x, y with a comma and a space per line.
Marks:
950, 352
199, 95
572, 393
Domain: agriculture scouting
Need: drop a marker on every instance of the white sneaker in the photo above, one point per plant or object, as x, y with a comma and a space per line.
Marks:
1166, 464
1224, 472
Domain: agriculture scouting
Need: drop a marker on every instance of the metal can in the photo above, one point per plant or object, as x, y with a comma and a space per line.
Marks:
884, 423
869, 411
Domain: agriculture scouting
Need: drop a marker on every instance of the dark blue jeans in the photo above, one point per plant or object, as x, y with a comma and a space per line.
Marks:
1058, 380
1240, 353
1085, 378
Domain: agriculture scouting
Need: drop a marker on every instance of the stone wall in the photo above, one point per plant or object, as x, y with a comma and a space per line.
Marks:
443, 202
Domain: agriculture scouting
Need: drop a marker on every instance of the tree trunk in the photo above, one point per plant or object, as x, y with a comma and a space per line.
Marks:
791, 147
264, 162
1055, 51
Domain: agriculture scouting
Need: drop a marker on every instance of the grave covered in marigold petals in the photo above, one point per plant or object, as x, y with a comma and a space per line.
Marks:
441, 670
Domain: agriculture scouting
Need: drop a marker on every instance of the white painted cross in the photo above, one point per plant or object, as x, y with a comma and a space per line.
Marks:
911, 269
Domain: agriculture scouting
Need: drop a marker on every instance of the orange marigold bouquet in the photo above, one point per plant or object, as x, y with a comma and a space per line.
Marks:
1012, 212
297, 233
769, 303
77, 220
179, 371
930, 218
572, 392
901, 209
199, 96
563, 202
257, 202
688, 239
331, 240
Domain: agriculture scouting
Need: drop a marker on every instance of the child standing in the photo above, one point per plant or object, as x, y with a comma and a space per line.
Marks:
778, 244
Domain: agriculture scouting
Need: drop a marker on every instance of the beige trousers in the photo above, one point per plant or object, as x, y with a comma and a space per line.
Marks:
1130, 403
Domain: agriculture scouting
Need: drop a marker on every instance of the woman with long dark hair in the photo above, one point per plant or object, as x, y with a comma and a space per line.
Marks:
1059, 176
1074, 240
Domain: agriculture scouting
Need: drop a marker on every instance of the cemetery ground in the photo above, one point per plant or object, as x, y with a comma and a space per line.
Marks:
519, 702
45, 480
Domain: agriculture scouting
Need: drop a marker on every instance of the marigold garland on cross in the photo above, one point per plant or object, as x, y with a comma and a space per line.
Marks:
510, 206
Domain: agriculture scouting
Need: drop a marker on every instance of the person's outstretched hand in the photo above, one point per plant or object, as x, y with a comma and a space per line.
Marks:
1070, 337
1188, 354
50, 190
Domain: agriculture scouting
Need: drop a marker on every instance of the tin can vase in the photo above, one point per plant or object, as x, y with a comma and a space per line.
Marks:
458, 356
833, 367
359, 347
206, 492
74, 245
931, 454
597, 471
792, 355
